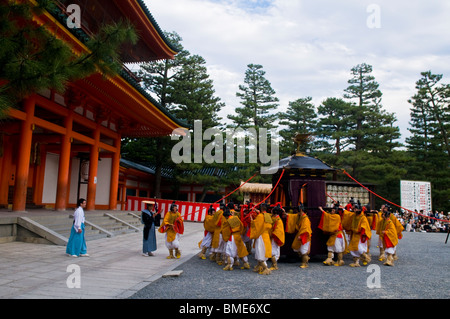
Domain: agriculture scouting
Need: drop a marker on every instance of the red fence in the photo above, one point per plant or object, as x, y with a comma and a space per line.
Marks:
189, 211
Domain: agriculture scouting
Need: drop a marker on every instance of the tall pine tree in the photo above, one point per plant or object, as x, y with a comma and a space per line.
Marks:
428, 143
300, 117
259, 103
335, 124
258, 100
184, 88
374, 130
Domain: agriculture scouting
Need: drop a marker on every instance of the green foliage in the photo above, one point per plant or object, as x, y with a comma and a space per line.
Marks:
428, 145
335, 124
258, 100
300, 117
184, 88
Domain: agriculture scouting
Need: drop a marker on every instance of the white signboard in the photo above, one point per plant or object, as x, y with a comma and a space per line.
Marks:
415, 195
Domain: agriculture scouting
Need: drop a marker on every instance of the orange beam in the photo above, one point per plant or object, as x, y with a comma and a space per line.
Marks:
17, 114
49, 126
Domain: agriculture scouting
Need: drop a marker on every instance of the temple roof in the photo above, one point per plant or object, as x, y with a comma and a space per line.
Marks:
143, 116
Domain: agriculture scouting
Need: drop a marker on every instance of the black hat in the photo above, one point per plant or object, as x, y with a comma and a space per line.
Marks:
226, 212
277, 210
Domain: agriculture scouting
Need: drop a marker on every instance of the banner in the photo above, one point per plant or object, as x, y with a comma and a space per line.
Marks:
189, 211
415, 195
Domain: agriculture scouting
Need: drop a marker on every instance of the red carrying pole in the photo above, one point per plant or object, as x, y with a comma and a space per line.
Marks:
276, 185
236, 188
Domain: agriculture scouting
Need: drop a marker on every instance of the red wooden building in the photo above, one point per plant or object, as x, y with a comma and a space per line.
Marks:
57, 148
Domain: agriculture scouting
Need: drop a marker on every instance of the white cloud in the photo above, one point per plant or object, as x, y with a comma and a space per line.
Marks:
308, 47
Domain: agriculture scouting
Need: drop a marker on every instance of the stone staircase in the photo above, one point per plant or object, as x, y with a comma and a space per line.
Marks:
99, 224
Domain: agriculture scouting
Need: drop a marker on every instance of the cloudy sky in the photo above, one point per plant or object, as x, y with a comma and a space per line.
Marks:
307, 47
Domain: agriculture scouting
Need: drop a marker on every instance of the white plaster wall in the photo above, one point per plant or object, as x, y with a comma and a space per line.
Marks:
74, 182
50, 178
103, 181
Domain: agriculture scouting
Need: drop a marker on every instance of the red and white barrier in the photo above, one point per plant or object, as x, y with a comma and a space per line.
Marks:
190, 211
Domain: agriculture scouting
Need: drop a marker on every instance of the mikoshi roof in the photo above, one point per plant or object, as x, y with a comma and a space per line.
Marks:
300, 161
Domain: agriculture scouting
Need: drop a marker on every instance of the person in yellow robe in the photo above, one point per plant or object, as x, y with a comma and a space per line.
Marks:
259, 231
389, 236
232, 235
330, 223
208, 225
398, 227
302, 241
360, 232
173, 227
277, 235
217, 243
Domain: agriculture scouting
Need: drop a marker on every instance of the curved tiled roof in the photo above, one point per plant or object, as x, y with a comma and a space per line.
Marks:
83, 37
155, 24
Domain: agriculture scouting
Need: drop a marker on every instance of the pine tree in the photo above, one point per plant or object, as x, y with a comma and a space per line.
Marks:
194, 95
157, 78
435, 101
428, 143
258, 100
374, 130
184, 88
300, 117
335, 123
364, 89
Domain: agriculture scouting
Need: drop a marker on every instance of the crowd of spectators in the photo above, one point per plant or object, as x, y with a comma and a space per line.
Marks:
423, 221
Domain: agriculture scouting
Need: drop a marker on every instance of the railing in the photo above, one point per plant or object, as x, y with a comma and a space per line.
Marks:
190, 211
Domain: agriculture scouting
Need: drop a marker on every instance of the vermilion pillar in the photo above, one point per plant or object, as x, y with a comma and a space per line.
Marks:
23, 157
114, 184
93, 168
64, 165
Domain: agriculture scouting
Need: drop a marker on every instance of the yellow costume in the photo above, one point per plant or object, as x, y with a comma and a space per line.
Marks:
173, 227
278, 238
205, 243
231, 233
331, 224
361, 232
260, 227
277, 231
302, 241
234, 227
217, 243
259, 230
380, 227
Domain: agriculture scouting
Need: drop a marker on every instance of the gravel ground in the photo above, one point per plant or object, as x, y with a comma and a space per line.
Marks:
420, 273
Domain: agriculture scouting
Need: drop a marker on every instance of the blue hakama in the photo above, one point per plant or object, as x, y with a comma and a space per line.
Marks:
149, 245
149, 233
77, 243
